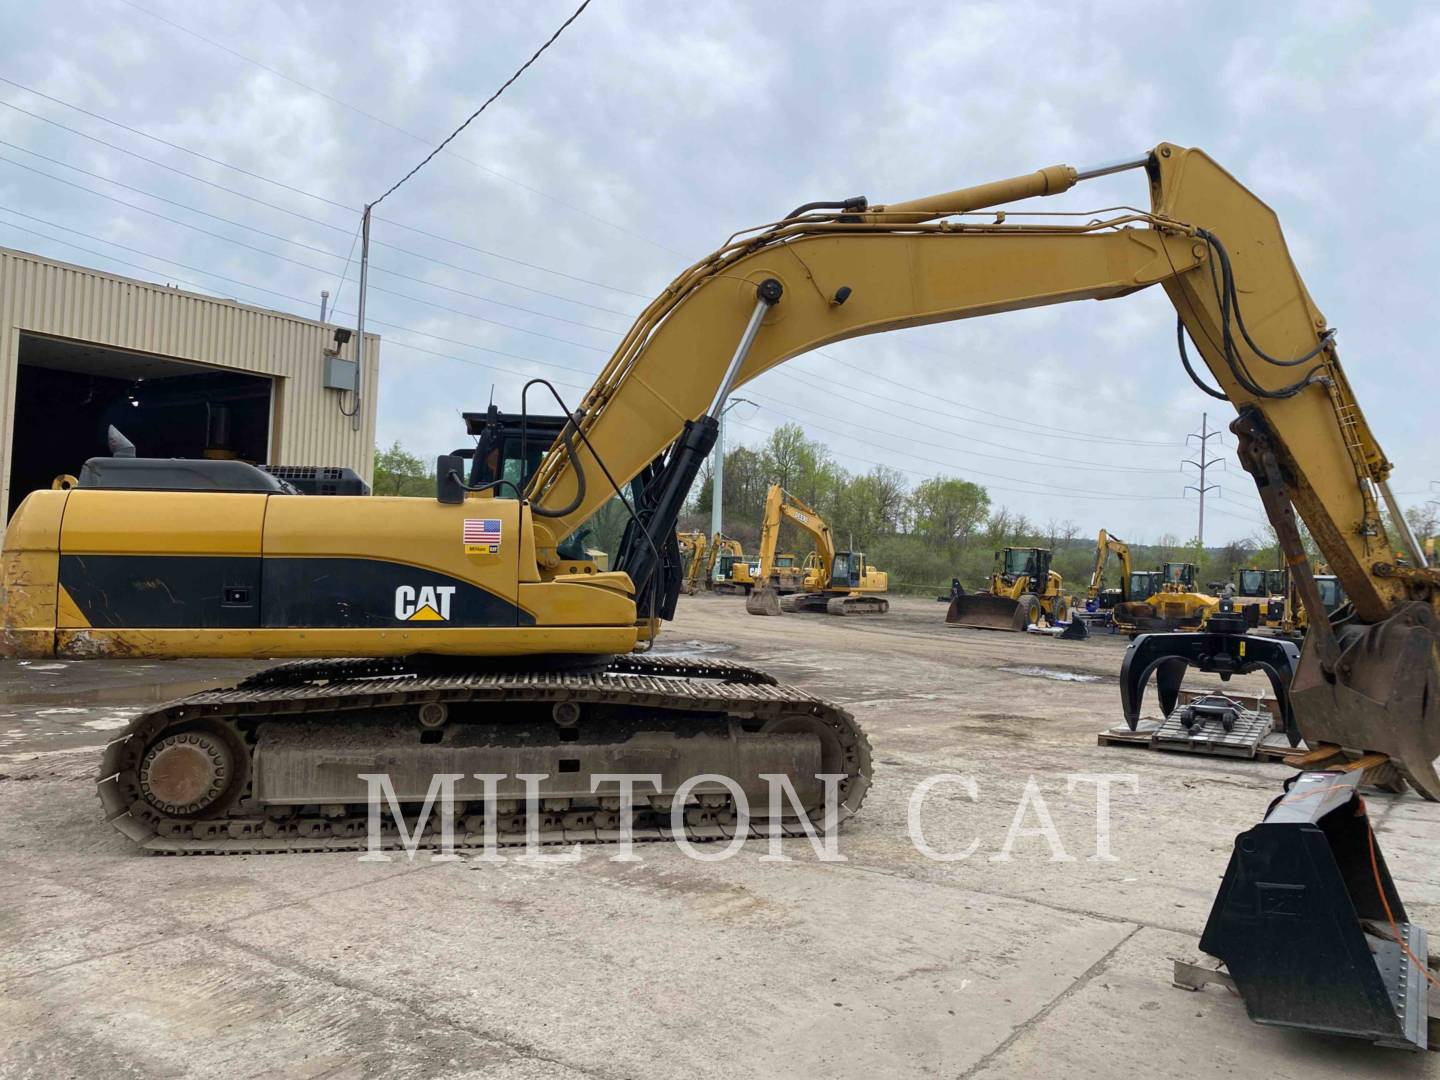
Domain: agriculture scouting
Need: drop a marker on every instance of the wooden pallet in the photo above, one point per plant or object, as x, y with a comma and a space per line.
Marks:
1254, 737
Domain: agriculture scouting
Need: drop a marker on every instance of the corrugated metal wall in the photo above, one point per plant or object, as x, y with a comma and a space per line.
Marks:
41, 296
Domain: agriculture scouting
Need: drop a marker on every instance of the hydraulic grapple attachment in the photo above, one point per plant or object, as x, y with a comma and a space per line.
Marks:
1219, 649
1310, 925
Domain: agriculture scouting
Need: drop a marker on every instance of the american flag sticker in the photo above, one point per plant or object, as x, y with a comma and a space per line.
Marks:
481, 536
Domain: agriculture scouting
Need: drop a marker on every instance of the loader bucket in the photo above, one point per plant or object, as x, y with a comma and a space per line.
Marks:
763, 602
985, 611
1310, 924
1075, 630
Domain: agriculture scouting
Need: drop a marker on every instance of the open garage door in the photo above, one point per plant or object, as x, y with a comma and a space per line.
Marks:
68, 393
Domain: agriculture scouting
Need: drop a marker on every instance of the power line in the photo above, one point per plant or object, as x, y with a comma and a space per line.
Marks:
314, 221
395, 127
304, 265
1011, 451
200, 270
291, 188
519, 374
989, 487
257, 288
1047, 460
1059, 489
317, 250
1030, 427
445, 288
484, 105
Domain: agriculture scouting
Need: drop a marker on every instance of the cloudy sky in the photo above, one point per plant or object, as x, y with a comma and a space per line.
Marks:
227, 147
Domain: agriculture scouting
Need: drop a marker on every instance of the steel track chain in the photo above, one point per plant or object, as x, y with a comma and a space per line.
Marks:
310, 690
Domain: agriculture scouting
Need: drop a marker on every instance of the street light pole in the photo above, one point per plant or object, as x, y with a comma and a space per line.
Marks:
717, 471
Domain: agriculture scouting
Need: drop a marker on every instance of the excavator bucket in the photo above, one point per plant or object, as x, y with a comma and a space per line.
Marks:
985, 611
1310, 924
1384, 695
763, 602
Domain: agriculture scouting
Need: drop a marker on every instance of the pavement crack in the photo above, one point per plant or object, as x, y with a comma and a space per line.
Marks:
1054, 1003
1020, 898
414, 1006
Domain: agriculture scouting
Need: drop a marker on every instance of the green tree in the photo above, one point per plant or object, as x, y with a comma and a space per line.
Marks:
946, 511
399, 472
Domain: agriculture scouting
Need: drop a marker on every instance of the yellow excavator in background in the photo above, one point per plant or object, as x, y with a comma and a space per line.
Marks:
1097, 596
728, 569
1022, 591
1264, 590
830, 582
479, 642
1175, 605
693, 547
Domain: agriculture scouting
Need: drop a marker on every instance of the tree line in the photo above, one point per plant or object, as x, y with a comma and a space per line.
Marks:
926, 534
923, 535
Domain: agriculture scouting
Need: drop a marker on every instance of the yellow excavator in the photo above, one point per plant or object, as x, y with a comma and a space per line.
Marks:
830, 582
1098, 598
728, 568
1264, 590
693, 547
1022, 591
479, 643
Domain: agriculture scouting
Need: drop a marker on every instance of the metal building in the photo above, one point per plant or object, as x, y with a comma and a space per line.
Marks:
180, 374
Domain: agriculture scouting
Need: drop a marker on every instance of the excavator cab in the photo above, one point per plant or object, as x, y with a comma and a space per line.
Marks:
847, 571
1143, 584
1251, 582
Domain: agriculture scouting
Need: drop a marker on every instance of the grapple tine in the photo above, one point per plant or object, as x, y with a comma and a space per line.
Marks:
1169, 674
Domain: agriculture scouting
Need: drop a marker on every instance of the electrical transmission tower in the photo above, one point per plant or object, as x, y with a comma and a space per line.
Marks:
1202, 463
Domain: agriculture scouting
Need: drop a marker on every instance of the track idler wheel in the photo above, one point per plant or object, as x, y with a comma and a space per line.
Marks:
199, 770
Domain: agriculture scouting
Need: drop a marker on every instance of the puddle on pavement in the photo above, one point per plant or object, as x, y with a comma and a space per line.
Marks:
1051, 673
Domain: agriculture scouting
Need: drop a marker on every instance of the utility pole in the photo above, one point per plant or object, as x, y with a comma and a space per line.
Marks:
1202, 462
717, 470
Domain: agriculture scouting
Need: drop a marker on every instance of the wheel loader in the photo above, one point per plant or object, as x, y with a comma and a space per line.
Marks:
1023, 591
456, 636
